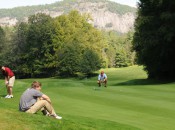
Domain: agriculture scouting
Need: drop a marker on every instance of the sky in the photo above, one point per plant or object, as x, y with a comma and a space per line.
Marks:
132, 3
15, 3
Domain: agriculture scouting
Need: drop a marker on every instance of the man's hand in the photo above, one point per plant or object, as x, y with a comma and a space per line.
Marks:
6, 82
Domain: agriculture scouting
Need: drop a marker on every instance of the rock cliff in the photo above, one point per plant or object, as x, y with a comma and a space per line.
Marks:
103, 18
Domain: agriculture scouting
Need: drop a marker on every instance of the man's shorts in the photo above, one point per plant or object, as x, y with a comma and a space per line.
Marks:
11, 81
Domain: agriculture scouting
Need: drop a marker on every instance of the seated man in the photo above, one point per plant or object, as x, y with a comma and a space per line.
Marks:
102, 78
32, 100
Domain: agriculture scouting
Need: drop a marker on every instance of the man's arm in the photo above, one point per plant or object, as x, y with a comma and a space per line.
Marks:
45, 97
6, 80
7, 77
99, 77
105, 77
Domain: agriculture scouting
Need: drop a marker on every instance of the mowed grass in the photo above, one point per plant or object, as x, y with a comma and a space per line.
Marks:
130, 102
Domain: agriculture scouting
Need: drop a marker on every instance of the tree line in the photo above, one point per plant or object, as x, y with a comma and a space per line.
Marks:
68, 44
64, 45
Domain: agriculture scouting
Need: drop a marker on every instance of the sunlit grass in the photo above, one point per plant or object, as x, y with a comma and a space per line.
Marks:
130, 102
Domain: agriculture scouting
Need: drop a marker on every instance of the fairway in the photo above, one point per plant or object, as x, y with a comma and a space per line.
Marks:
130, 102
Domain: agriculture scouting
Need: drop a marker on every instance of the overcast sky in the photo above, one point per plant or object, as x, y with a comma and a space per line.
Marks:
16, 3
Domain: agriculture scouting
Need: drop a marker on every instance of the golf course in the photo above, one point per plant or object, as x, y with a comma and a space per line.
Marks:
129, 102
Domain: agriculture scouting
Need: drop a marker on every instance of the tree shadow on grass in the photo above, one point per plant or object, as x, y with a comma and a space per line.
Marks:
79, 76
144, 82
2, 95
91, 75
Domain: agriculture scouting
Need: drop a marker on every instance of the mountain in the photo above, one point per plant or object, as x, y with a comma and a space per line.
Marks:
106, 15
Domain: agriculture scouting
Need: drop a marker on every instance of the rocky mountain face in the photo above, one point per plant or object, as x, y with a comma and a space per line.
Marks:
102, 17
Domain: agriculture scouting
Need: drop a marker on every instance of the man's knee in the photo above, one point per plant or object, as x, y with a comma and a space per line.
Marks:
37, 106
99, 83
43, 102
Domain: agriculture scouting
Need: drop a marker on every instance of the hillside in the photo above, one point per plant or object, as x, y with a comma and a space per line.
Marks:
106, 15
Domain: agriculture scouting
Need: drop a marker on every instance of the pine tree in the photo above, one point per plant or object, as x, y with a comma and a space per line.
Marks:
154, 38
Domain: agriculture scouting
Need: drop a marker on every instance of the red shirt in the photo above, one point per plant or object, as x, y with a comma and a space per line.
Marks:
8, 72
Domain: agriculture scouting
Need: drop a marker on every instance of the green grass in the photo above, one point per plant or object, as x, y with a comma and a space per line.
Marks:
130, 102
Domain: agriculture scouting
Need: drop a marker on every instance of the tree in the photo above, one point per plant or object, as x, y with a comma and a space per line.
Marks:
20, 49
2, 45
2, 39
121, 59
90, 62
154, 37
118, 47
70, 60
34, 45
39, 43
73, 35
6, 55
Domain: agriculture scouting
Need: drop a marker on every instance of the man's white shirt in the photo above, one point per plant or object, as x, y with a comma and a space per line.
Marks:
102, 77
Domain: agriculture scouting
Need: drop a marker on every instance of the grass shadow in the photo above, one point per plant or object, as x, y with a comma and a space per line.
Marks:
79, 76
2, 95
144, 82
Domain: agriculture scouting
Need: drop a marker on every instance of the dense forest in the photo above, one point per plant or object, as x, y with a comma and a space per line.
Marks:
68, 45
65, 45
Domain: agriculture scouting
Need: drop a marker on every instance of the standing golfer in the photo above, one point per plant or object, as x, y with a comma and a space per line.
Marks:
9, 80
33, 100
102, 78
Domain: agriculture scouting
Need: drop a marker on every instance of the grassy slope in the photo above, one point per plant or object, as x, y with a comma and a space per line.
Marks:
129, 103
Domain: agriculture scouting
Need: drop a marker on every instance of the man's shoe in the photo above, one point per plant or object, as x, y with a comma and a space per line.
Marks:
58, 117
6, 96
10, 96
